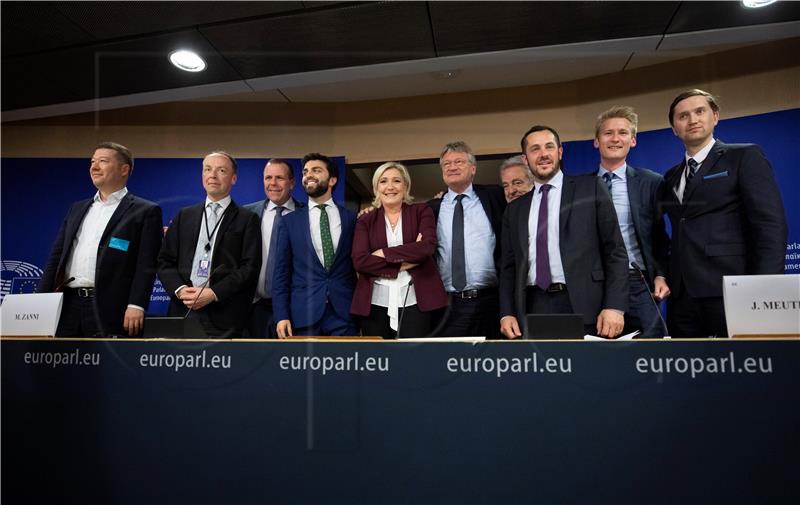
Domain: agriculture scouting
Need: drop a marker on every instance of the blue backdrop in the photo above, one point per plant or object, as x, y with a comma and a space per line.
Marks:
45, 188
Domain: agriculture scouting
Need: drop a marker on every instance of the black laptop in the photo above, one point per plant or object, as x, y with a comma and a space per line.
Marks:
554, 326
173, 327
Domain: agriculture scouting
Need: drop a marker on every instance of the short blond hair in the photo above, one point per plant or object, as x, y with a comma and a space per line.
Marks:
620, 111
376, 202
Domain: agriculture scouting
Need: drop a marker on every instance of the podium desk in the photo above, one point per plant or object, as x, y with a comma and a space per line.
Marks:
186, 422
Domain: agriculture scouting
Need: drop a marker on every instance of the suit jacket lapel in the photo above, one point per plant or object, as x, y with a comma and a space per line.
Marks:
522, 223
192, 233
567, 195
484, 199
713, 157
306, 233
347, 234
227, 219
673, 180
634, 197
75, 224
409, 224
122, 208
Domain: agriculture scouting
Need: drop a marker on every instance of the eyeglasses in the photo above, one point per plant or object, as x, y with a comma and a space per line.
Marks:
456, 163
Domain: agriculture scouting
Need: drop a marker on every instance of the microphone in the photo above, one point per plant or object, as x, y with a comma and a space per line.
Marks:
652, 298
60, 286
202, 288
403, 309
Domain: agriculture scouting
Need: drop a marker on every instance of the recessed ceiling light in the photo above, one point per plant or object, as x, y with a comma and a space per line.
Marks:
755, 4
186, 60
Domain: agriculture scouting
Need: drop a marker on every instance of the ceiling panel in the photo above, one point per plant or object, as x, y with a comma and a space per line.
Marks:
88, 53
466, 27
107, 20
361, 34
122, 68
485, 71
37, 26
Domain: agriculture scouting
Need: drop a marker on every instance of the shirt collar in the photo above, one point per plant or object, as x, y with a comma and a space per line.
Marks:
621, 172
288, 204
223, 203
312, 204
113, 198
557, 181
702, 154
451, 195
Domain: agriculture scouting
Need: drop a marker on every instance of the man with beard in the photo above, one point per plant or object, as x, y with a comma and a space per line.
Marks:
575, 260
313, 281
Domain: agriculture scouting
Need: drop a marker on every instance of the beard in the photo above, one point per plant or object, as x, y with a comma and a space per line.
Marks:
319, 190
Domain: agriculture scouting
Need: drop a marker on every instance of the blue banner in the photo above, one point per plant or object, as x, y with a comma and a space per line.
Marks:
171, 422
37, 193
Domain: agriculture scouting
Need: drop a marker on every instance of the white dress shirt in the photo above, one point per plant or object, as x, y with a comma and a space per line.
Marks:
83, 260
553, 229
389, 293
82, 263
335, 221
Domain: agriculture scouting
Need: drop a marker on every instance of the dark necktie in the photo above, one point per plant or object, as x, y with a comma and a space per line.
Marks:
693, 166
458, 263
273, 246
609, 178
543, 279
325, 233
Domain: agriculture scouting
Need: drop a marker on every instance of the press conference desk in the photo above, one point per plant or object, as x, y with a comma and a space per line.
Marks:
170, 421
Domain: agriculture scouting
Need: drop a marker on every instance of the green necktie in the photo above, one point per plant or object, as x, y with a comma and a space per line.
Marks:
327, 241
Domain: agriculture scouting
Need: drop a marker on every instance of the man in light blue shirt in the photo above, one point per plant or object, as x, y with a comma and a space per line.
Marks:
634, 192
468, 223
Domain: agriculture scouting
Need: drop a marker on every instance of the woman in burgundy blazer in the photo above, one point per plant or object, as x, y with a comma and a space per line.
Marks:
392, 246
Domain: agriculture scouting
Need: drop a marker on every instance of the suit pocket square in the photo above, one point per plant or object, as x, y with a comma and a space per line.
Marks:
715, 176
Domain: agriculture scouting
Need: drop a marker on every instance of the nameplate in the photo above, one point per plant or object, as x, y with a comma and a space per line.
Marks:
762, 304
30, 314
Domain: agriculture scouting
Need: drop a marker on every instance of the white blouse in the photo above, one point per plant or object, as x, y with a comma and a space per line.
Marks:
394, 293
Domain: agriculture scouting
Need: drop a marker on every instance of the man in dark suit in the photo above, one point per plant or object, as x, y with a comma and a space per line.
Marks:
726, 213
468, 214
515, 177
105, 253
278, 183
635, 193
211, 255
575, 260
313, 282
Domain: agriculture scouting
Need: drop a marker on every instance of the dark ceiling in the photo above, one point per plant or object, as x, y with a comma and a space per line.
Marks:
59, 52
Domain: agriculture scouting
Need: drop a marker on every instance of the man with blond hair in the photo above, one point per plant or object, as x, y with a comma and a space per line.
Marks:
634, 192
